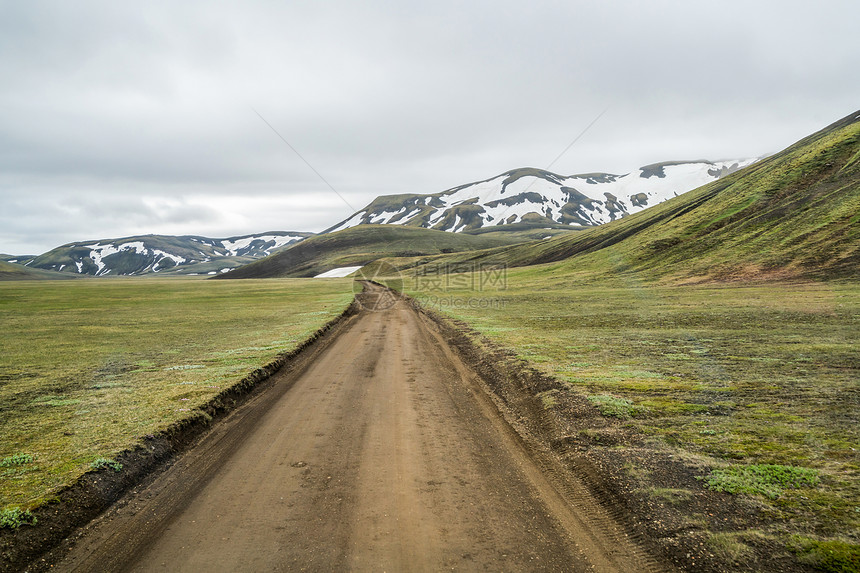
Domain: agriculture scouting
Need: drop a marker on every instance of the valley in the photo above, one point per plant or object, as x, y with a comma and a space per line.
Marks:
674, 388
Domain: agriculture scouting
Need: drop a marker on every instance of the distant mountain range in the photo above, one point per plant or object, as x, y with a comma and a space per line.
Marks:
531, 197
148, 254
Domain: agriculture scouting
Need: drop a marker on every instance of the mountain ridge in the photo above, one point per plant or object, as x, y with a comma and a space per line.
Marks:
539, 197
149, 254
794, 214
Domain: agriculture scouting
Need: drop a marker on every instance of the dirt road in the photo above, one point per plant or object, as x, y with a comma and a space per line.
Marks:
380, 452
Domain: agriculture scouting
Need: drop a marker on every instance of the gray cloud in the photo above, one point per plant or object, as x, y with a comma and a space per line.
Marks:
118, 119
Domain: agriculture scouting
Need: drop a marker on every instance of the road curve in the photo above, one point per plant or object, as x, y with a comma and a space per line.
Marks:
381, 452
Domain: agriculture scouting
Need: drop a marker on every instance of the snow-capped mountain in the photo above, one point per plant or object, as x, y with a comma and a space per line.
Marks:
538, 197
162, 253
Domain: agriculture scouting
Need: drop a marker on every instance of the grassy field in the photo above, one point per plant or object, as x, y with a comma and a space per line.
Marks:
737, 376
88, 367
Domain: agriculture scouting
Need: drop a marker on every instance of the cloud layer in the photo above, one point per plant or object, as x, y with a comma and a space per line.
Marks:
119, 119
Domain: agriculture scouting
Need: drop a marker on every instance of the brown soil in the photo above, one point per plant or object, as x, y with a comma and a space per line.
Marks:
376, 449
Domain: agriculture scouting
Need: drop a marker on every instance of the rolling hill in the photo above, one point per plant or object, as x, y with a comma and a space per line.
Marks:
20, 259
793, 214
531, 197
361, 245
162, 254
15, 272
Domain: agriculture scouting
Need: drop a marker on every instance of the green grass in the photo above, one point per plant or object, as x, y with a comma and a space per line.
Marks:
15, 517
104, 463
742, 375
769, 480
835, 556
16, 460
16, 272
89, 367
729, 546
613, 406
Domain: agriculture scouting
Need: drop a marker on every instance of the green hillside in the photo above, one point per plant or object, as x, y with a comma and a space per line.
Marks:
20, 259
794, 214
361, 245
13, 272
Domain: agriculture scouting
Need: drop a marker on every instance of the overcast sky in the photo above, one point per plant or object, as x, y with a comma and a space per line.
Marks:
124, 118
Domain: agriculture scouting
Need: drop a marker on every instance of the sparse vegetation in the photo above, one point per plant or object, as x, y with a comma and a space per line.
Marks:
613, 406
769, 480
729, 546
105, 463
15, 517
834, 555
672, 496
548, 399
15, 460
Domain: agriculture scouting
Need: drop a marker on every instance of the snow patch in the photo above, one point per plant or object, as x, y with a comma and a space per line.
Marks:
351, 222
233, 247
99, 252
456, 223
164, 255
410, 215
386, 216
339, 272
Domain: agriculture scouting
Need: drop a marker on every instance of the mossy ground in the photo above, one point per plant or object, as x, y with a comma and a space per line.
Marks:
89, 367
732, 374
